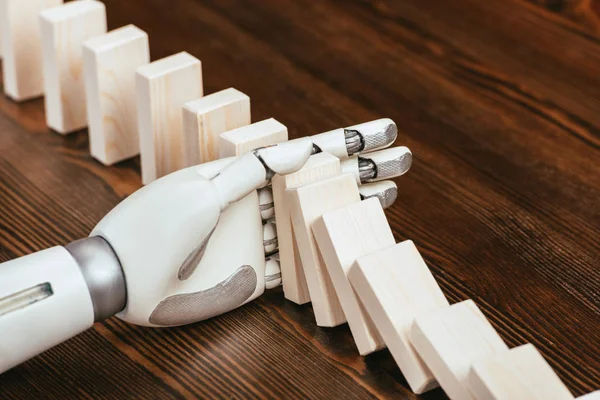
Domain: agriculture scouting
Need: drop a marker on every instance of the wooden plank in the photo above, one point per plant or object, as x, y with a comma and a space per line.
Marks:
64, 30
395, 286
449, 340
320, 166
307, 203
342, 236
205, 119
110, 62
521, 373
163, 87
247, 138
22, 47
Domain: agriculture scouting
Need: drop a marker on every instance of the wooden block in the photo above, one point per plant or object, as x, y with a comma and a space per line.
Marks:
110, 62
22, 47
521, 373
395, 286
342, 236
64, 30
163, 87
590, 396
450, 340
247, 138
320, 166
205, 119
307, 203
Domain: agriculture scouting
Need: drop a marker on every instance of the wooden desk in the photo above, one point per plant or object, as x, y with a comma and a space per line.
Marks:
499, 102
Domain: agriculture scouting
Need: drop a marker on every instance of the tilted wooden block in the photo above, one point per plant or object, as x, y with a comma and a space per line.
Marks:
22, 47
247, 138
449, 340
344, 235
521, 373
590, 396
395, 286
307, 203
320, 166
205, 119
64, 30
163, 87
110, 62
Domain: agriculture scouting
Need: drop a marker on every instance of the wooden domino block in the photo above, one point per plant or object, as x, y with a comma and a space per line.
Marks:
344, 235
205, 119
395, 286
110, 62
590, 396
449, 340
320, 166
22, 47
64, 30
247, 138
307, 203
521, 373
163, 87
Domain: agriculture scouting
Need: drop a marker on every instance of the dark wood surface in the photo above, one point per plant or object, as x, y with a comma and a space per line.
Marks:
499, 102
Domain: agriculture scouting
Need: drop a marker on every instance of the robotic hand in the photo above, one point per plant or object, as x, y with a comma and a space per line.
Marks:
185, 248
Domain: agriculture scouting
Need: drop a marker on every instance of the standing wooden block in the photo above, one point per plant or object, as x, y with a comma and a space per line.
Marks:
449, 340
320, 166
308, 203
205, 119
247, 138
521, 373
22, 47
163, 87
395, 286
344, 235
110, 62
64, 29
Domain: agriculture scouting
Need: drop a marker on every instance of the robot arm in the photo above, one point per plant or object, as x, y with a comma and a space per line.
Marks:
187, 247
136, 254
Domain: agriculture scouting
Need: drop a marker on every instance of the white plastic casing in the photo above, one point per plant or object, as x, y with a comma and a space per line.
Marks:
154, 230
332, 142
38, 326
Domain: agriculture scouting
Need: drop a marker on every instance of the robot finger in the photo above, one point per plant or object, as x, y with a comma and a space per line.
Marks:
267, 206
272, 272
378, 165
254, 170
270, 242
356, 139
385, 191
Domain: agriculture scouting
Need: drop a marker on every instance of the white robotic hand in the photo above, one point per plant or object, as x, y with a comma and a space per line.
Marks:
183, 249
147, 260
181, 259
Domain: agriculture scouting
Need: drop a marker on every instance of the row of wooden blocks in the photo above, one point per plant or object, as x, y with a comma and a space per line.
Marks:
105, 81
340, 254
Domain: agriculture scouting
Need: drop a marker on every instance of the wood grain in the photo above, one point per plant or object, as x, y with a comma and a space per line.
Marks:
23, 70
162, 89
64, 30
519, 373
109, 63
498, 101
